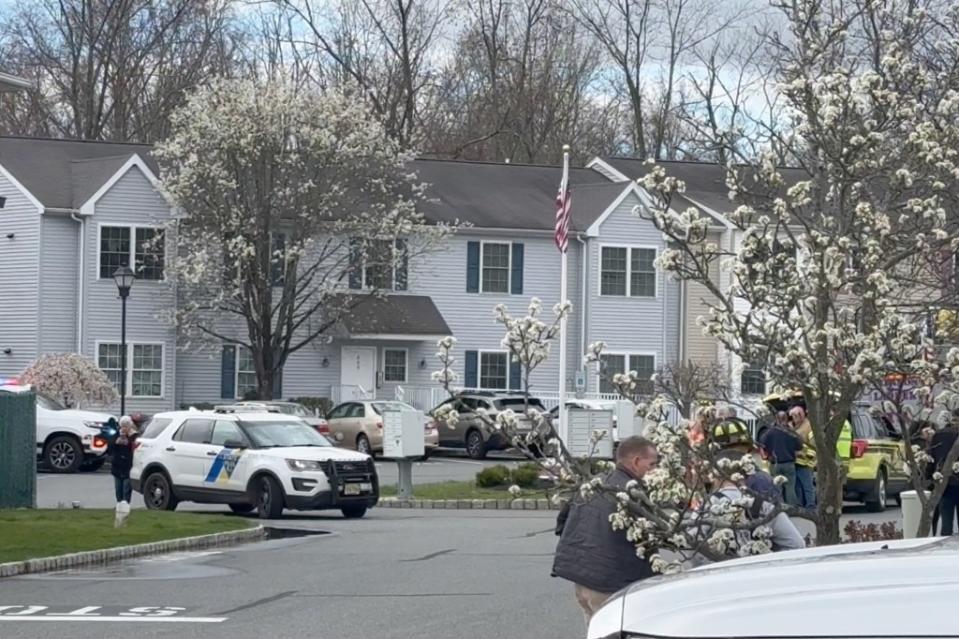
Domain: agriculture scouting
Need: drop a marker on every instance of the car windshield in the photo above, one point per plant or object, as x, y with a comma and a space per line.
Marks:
283, 434
49, 403
379, 407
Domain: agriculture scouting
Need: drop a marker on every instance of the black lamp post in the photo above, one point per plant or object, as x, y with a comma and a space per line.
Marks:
124, 277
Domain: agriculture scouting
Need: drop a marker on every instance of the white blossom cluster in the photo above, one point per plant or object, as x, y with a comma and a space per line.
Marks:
671, 509
70, 378
838, 263
280, 194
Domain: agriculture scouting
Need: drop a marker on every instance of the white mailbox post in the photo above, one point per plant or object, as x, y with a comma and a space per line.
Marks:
403, 440
581, 424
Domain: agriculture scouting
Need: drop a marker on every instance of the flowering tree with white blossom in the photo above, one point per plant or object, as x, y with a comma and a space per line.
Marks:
673, 516
71, 379
845, 254
295, 207
919, 389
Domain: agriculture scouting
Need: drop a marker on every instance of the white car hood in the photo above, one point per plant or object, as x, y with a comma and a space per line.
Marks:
916, 581
310, 453
83, 415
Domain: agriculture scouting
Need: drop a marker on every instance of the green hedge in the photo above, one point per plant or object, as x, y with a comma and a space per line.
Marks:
525, 476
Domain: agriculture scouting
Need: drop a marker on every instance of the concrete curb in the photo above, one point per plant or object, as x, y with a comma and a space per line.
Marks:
469, 504
91, 557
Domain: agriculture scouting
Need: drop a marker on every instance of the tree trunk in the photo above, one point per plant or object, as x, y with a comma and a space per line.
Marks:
829, 497
264, 385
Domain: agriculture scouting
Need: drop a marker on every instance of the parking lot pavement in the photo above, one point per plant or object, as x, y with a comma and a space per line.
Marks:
393, 574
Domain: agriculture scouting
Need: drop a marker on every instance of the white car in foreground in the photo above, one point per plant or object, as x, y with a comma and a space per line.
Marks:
249, 461
894, 589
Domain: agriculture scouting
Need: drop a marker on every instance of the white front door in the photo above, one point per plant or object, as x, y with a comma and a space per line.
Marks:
358, 372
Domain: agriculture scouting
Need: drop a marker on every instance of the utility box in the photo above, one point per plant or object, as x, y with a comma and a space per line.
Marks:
18, 448
627, 422
403, 433
581, 424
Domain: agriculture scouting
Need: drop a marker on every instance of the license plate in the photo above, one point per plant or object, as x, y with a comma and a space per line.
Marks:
356, 489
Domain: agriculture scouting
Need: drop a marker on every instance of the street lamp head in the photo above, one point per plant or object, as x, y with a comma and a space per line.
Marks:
124, 277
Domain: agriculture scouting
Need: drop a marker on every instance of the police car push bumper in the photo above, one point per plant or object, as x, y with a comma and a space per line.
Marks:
340, 483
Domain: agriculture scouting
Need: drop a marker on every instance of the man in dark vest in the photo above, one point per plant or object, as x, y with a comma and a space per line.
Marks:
597, 559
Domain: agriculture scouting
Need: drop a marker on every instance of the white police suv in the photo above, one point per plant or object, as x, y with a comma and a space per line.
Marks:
249, 461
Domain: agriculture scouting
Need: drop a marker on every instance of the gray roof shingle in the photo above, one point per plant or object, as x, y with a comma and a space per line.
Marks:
59, 172
65, 173
511, 196
396, 315
705, 181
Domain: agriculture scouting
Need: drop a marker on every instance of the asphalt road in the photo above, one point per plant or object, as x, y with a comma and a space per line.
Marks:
401, 574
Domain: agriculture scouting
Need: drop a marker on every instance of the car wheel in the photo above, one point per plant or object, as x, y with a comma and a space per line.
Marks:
475, 446
353, 512
63, 454
426, 454
877, 500
242, 509
269, 498
363, 445
158, 493
92, 465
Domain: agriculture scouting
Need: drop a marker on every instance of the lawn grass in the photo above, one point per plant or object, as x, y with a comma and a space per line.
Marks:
25, 534
461, 490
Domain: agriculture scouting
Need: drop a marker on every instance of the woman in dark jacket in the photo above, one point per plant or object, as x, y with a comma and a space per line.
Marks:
121, 459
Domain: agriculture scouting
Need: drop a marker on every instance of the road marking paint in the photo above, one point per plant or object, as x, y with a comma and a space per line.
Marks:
148, 614
116, 619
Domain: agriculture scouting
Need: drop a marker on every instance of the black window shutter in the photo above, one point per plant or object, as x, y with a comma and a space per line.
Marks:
228, 372
472, 267
516, 279
278, 384
515, 374
356, 263
402, 265
471, 378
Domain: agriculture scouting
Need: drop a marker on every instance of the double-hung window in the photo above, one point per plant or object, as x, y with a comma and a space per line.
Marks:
611, 364
493, 370
144, 367
379, 264
627, 271
141, 248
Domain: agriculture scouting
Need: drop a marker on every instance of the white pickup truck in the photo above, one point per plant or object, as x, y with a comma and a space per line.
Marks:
69, 439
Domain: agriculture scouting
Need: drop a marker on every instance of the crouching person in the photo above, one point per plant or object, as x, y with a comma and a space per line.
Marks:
785, 535
597, 559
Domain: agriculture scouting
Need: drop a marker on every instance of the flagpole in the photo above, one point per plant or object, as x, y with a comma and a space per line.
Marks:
563, 433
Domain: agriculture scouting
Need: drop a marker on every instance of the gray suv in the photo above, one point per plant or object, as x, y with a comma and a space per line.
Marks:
471, 430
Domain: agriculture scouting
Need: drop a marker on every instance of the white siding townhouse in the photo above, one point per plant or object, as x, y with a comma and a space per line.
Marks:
74, 211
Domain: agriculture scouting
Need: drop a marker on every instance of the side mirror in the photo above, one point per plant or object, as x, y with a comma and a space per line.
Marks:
339, 437
234, 443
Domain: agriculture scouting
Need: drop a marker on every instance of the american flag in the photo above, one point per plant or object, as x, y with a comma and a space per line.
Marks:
561, 234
